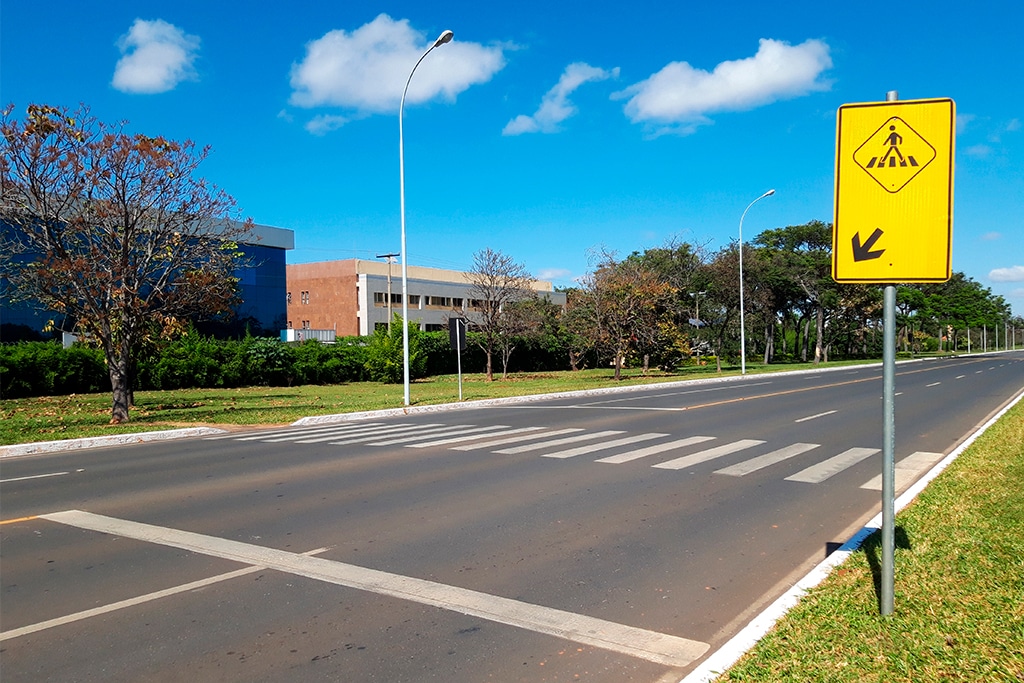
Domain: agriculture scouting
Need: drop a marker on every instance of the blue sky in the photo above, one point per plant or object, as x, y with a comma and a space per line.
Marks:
543, 130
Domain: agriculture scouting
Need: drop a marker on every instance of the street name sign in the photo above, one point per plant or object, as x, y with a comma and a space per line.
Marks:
893, 219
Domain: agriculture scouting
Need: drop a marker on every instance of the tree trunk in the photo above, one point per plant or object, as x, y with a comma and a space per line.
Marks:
120, 388
769, 341
490, 365
819, 347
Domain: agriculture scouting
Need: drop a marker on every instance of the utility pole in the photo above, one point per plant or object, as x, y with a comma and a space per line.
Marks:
391, 259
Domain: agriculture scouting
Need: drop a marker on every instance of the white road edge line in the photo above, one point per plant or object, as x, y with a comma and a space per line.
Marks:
722, 659
131, 602
655, 647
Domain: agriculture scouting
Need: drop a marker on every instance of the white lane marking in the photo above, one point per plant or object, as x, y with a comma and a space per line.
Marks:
603, 446
516, 439
960, 376
762, 461
655, 449
814, 417
905, 470
933, 384
652, 646
590, 436
815, 474
132, 602
474, 437
710, 454
35, 476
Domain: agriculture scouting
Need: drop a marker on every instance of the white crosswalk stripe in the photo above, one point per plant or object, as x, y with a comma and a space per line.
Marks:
815, 474
421, 431
516, 439
762, 461
906, 470
593, 448
473, 437
372, 432
558, 442
448, 431
655, 449
710, 454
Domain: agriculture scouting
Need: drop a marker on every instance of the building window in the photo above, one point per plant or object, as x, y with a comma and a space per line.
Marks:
305, 324
433, 327
304, 297
457, 302
380, 299
288, 297
414, 299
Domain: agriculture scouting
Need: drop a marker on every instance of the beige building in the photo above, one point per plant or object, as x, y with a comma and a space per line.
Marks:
351, 297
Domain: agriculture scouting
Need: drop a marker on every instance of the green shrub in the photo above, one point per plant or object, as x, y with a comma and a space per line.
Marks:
384, 354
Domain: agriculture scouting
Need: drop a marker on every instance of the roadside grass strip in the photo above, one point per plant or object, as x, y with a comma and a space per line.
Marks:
959, 591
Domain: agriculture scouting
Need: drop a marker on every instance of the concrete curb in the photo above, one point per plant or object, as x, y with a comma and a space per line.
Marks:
582, 393
100, 441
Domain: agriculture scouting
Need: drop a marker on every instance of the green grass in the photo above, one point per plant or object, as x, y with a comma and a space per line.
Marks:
959, 590
68, 417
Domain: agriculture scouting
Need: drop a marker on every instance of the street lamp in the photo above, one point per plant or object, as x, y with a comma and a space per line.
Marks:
445, 37
743, 338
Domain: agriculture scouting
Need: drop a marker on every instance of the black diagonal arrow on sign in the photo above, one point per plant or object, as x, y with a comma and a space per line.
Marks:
862, 252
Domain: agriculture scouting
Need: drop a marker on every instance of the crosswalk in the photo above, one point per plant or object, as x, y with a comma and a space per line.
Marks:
671, 453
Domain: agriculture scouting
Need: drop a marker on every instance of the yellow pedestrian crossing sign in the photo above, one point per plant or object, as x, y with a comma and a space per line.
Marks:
893, 219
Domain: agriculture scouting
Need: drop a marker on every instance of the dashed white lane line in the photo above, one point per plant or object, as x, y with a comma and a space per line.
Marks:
35, 476
652, 646
132, 602
815, 417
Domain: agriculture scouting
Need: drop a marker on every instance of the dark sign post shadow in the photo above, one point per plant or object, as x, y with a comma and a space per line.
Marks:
874, 551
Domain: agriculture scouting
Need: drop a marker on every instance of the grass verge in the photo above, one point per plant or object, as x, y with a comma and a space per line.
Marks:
959, 591
52, 418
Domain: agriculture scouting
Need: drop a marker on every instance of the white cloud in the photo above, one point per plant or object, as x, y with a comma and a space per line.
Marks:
551, 274
157, 56
1013, 126
555, 106
679, 97
1011, 274
963, 121
366, 70
991, 236
325, 123
979, 151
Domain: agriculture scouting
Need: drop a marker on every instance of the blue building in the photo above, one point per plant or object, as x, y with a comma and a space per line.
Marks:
262, 284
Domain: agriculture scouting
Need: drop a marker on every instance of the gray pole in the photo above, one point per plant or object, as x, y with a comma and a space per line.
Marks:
441, 40
390, 258
889, 439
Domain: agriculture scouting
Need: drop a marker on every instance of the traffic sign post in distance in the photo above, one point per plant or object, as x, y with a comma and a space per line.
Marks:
893, 219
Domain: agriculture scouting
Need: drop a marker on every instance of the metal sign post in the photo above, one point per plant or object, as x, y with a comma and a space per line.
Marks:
893, 223
457, 337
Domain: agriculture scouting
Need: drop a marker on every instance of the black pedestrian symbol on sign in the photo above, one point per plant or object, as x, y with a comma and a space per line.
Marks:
893, 153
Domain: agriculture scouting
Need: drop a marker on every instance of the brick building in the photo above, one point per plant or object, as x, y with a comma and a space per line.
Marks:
351, 296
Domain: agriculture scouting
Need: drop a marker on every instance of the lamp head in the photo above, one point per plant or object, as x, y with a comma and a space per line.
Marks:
769, 193
445, 37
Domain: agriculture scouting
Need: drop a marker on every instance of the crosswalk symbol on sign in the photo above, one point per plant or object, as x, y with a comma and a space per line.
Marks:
894, 154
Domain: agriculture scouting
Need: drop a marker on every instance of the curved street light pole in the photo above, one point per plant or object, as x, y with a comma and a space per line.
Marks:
445, 37
743, 337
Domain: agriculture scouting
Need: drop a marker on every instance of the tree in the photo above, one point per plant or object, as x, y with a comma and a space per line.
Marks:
628, 303
497, 283
804, 253
113, 230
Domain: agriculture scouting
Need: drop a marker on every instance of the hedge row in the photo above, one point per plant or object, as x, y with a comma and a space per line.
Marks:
195, 361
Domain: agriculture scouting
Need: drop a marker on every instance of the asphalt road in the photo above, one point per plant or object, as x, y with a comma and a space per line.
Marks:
608, 537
